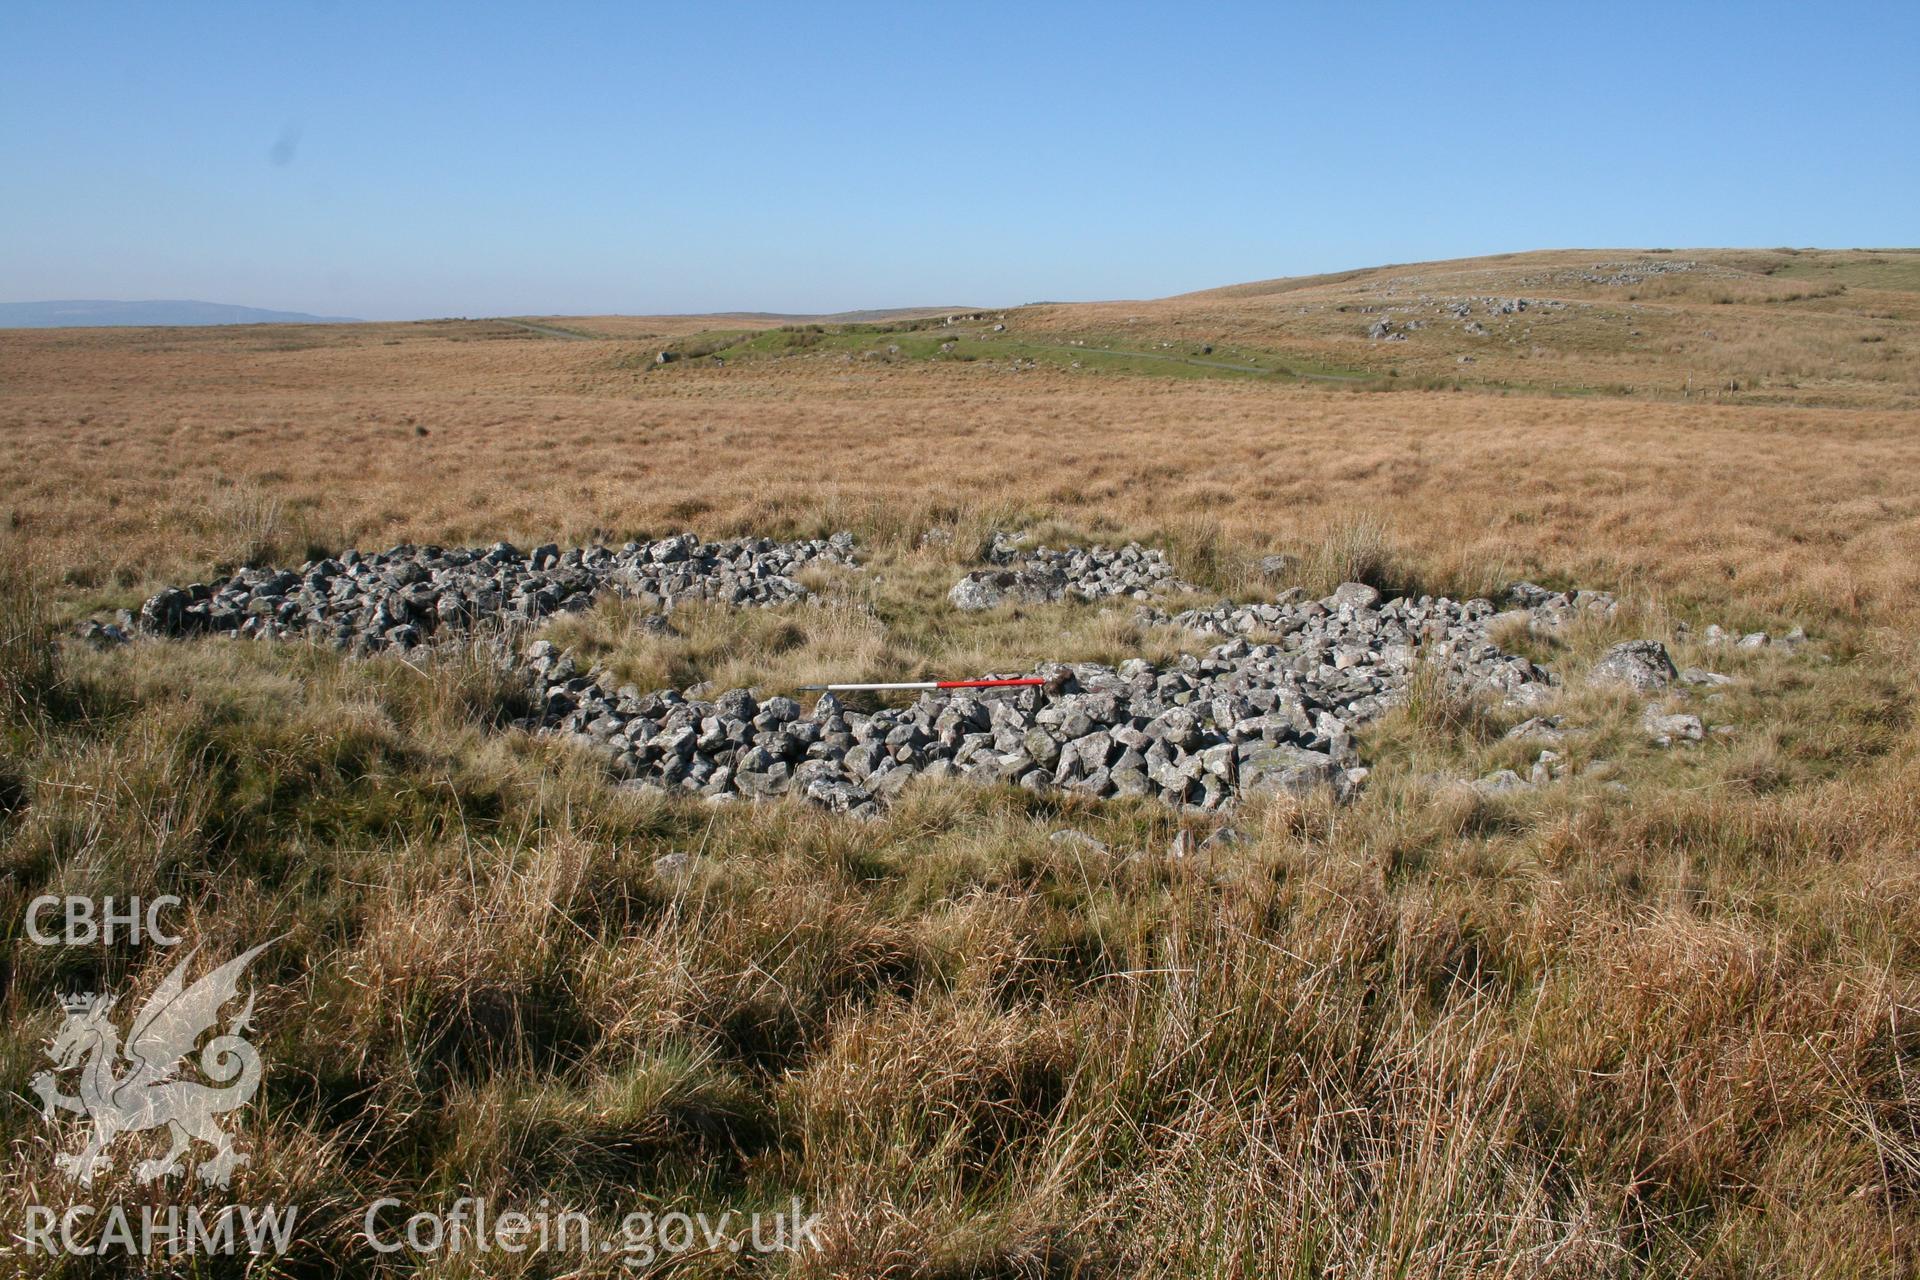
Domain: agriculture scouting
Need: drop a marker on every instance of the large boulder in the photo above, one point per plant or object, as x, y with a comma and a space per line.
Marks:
1267, 769
991, 588
979, 591
163, 613
1665, 730
1352, 595
1640, 665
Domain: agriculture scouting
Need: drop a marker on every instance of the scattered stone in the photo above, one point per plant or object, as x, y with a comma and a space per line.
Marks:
1547, 728
1079, 840
1665, 730
1500, 783
1641, 665
1547, 767
1700, 676
1718, 636
106, 635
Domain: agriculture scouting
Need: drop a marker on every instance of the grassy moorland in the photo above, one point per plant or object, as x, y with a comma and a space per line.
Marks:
1662, 1018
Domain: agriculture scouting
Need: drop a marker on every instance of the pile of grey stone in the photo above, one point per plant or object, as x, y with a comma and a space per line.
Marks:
1273, 709
1619, 273
407, 595
1356, 630
1549, 610
1018, 574
1242, 719
1645, 668
107, 635
1462, 308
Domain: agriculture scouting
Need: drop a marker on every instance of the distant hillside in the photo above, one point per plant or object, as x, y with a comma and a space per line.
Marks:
1833, 327
55, 315
1784, 326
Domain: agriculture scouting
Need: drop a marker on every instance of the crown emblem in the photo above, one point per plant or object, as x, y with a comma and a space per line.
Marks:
78, 1001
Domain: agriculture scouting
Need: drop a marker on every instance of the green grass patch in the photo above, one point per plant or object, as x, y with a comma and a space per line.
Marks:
1893, 269
932, 340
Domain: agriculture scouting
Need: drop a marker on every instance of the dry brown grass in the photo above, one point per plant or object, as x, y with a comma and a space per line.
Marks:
133, 459
1658, 1019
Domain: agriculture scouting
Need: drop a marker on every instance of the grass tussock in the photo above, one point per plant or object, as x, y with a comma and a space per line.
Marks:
1357, 549
30, 676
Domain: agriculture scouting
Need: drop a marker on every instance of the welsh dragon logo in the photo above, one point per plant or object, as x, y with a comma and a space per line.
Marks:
131, 1087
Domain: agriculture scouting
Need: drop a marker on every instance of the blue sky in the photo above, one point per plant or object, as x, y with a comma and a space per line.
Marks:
398, 160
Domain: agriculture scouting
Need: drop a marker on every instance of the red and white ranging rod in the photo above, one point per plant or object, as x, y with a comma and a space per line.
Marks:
925, 684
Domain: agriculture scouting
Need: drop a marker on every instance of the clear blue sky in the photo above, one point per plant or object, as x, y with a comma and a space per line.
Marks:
399, 159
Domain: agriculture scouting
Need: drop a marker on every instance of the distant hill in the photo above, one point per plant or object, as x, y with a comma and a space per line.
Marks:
55, 315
